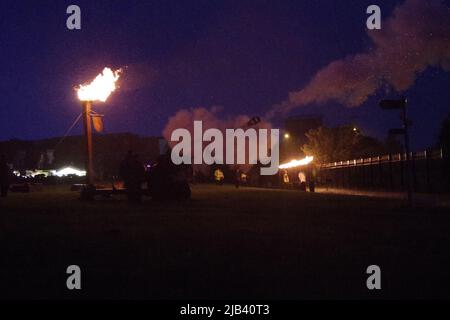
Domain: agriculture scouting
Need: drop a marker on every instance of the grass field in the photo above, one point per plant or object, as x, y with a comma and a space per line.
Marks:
224, 243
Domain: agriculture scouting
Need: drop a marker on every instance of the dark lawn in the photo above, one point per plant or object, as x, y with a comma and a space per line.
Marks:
224, 243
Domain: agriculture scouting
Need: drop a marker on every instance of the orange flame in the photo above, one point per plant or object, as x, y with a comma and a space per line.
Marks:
102, 86
297, 163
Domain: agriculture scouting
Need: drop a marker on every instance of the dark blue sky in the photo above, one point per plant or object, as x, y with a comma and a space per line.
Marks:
242, 55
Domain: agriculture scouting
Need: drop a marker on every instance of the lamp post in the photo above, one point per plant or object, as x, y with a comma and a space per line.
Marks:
402, 105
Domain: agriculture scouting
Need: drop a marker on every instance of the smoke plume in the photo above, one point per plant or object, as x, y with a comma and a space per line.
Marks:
210, 118
415, 37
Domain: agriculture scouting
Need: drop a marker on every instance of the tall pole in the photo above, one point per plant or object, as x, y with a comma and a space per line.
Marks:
409, 172
88, 142
396, 105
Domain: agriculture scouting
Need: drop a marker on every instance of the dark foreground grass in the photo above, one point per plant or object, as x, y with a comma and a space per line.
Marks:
224, 243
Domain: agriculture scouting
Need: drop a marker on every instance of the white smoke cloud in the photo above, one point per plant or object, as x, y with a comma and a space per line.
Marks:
211, 118
414, 38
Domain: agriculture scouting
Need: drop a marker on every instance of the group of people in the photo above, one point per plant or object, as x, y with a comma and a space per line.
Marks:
240, 178
305, 179
165, 181
5, 177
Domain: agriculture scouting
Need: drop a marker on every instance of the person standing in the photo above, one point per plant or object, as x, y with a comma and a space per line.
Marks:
237, 181
5, 174
310, 177
302, 180
132, 172
219, 176
286, 178
137, 176
124, 171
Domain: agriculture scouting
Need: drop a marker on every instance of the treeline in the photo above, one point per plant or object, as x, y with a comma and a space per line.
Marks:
347, 142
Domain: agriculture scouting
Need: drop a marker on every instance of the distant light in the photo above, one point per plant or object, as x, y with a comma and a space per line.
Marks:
287, 135
70, 171
34, 173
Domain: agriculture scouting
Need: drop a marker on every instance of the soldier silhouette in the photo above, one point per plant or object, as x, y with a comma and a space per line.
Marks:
132, 172
5, 176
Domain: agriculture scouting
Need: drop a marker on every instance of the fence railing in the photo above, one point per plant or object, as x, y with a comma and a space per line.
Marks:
430, 172
389, 158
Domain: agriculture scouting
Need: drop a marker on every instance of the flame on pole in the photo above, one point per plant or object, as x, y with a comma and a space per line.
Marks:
98, 90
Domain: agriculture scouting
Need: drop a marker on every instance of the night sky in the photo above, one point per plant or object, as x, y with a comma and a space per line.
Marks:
245, 56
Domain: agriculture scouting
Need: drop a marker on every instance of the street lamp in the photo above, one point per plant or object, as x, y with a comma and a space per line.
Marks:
402, 104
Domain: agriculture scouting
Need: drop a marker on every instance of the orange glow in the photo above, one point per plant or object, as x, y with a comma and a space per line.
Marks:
297, 163
101, 87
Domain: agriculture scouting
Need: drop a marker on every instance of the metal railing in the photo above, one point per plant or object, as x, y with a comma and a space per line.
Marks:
389, 158
430, 172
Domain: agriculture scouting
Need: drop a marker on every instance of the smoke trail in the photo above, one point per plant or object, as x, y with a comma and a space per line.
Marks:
138, 75
415, 37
